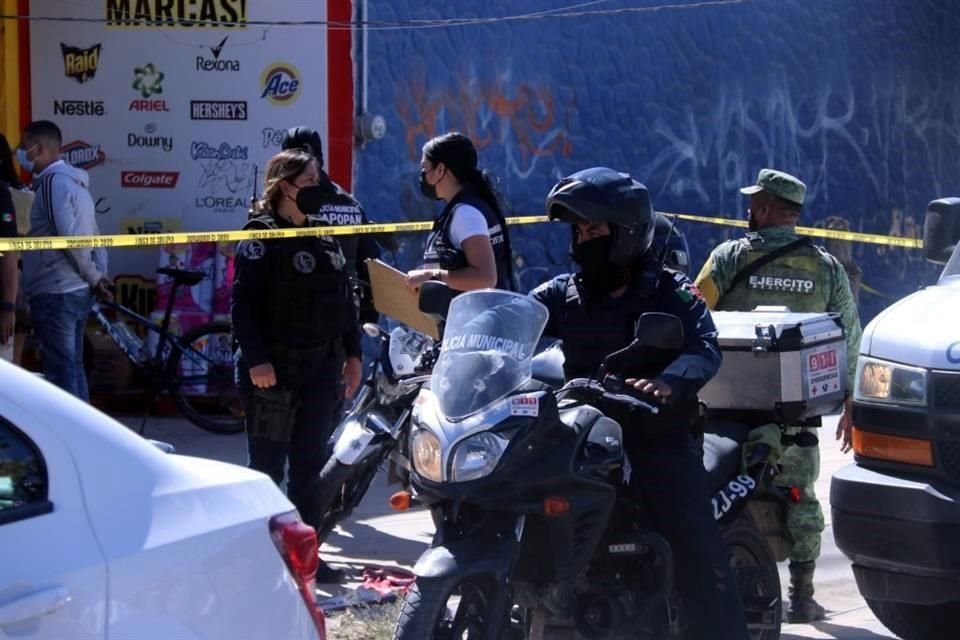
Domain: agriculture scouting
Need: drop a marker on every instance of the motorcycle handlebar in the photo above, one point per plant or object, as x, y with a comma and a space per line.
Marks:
619, 394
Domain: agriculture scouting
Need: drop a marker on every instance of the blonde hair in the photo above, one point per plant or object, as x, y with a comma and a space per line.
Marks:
285, 166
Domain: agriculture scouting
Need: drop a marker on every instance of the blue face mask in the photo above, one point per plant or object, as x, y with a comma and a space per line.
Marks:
24, 161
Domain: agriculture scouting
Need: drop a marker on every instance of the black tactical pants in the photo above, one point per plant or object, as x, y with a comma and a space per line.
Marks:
291, 422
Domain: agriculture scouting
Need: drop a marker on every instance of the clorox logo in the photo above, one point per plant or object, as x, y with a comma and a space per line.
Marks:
281, 83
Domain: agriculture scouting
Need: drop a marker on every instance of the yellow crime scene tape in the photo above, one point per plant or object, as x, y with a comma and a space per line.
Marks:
191, 237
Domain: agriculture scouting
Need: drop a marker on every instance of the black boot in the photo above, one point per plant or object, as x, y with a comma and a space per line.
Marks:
328, 575
803, 608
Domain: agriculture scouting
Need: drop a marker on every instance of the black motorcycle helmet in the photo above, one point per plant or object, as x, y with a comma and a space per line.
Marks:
600, 194
668, 238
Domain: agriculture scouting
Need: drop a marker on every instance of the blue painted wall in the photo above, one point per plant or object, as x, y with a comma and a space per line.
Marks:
857, 97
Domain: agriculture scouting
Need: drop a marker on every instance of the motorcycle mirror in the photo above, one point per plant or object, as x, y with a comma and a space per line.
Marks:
435, 298
941, 229
659, 331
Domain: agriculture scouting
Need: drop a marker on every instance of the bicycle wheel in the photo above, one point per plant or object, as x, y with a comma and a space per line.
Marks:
202, 381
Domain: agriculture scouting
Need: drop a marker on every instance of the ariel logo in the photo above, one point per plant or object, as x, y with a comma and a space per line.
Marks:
147, 80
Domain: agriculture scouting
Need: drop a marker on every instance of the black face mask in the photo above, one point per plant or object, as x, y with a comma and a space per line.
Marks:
599, 274
311, 199
751, 223
428, 190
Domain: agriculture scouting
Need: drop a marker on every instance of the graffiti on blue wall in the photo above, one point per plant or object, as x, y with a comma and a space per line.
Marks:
693, 103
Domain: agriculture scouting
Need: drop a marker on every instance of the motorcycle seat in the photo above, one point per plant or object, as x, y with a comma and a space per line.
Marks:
722, 452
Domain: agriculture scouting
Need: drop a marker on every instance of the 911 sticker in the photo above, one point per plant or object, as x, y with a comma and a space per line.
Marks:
823, 366
528, 406
736, 490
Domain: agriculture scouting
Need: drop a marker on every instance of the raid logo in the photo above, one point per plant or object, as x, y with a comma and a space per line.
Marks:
80, 64
83, 155
187, 14
280, 83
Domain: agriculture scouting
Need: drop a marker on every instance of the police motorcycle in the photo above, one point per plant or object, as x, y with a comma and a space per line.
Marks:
374, 429
524, 475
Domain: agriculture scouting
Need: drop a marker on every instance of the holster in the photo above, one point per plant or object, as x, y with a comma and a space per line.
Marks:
274, 413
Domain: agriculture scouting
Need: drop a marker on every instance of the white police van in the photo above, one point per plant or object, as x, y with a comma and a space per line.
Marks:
896, 509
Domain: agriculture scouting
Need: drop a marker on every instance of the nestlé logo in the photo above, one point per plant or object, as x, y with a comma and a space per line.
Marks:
78, 108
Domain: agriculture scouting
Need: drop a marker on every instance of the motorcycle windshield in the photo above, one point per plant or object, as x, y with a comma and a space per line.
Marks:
487, 349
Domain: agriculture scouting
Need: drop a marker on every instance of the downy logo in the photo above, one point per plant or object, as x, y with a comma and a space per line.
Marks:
83, 155
80, 64
215, 63
281, 83
206, 151
150, 141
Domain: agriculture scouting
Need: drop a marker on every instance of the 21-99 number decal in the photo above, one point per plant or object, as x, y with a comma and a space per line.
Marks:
737, 489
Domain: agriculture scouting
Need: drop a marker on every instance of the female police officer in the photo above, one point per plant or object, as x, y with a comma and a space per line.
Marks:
292, 308
469, 247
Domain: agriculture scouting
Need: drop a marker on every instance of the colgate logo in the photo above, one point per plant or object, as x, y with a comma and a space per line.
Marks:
149, 179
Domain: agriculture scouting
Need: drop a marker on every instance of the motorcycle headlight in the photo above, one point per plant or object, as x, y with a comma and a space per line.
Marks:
427, 455
477, 456
881, 381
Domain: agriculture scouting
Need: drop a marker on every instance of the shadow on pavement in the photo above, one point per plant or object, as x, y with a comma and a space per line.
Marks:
837, 631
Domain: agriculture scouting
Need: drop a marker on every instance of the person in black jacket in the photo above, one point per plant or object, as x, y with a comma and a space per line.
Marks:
339, 208
293, 311
594, 313
9, 271
469, 246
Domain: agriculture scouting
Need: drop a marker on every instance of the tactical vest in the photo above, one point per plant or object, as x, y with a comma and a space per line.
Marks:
341, 209
308, 301
440, 250
799, 280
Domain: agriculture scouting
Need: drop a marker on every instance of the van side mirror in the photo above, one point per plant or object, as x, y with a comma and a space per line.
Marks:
435, 298
659, 331
941, 229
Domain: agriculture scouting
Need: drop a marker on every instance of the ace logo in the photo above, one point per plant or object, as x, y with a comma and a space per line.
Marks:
281, 83
80, 64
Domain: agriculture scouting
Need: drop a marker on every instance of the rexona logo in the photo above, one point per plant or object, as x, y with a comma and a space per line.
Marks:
218, 110
78, 108
216, 63
80, 64
206, 151
83, 155
281, 83
149, 179
190, 14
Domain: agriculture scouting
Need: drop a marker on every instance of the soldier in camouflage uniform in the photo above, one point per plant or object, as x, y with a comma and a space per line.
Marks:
806, 279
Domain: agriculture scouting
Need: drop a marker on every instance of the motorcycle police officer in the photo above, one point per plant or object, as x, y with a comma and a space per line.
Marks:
593, 312
775, 266
292, 311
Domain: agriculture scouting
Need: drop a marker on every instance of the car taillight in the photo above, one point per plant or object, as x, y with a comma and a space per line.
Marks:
297, 544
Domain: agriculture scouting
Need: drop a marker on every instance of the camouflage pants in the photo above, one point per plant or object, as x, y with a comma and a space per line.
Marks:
801, 467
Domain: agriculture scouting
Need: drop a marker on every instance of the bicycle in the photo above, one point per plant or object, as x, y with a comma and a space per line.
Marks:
196, 369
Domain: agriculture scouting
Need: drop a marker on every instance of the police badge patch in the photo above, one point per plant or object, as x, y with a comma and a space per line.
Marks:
304, 262
251, 249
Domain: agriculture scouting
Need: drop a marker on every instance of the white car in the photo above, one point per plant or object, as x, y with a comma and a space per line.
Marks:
102, 535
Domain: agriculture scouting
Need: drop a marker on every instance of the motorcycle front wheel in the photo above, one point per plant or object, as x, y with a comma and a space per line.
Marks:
445, 609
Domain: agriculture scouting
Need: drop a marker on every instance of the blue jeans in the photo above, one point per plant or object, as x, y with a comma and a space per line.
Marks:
58, 322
